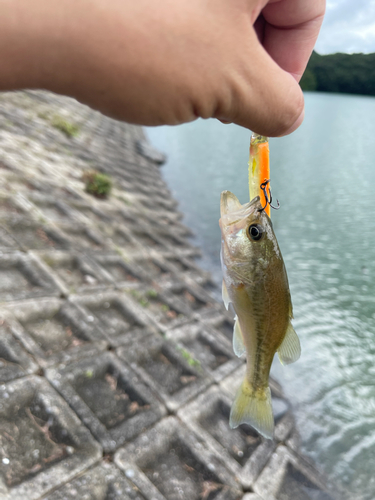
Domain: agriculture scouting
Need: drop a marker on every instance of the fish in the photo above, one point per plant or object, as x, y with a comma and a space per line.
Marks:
255, 283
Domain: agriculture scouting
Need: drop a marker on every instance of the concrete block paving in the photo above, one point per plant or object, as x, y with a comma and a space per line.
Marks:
116, 367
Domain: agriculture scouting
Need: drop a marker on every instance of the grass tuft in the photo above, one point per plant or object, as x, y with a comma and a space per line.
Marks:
67, 128
97, 184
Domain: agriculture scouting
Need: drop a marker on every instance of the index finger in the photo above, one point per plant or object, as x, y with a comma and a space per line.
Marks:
290, 30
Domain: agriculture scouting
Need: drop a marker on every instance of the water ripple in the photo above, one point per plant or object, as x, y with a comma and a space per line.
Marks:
325, 229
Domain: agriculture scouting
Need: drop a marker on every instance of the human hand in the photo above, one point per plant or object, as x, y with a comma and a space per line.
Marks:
167, 62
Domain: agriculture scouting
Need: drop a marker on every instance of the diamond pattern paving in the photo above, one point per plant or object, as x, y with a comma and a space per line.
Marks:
116, 366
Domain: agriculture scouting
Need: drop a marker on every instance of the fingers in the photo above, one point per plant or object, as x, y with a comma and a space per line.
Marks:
265, 98
286, 34
170, 62
290, 30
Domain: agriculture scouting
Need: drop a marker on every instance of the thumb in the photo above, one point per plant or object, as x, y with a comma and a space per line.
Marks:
264, 98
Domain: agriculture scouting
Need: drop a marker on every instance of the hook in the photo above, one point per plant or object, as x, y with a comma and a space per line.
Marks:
263, 187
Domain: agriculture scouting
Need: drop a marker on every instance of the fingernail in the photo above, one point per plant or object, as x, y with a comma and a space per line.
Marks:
295, 125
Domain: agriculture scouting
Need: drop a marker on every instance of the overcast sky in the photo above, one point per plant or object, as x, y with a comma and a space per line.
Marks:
349, 26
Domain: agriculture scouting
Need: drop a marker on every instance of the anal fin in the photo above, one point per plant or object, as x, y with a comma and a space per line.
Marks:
290, 348
238, 345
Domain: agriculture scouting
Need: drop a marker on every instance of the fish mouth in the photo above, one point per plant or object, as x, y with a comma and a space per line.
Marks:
229, 203
231, 210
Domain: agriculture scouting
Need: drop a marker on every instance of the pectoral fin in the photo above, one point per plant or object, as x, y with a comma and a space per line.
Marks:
225, 295
290, 349
238, 345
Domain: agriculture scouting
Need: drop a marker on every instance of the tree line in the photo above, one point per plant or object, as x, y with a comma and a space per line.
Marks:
348, 73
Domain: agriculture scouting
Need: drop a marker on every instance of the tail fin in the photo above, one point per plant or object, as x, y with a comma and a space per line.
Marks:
253, 407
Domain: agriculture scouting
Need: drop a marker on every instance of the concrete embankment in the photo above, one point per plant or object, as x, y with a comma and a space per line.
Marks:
116, 366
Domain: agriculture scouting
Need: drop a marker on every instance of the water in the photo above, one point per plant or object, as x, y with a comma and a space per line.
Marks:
323, 176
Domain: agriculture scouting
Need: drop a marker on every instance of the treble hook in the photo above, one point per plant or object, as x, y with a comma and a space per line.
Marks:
263, 187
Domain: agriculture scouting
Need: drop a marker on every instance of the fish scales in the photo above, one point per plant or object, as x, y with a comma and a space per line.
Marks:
256, 283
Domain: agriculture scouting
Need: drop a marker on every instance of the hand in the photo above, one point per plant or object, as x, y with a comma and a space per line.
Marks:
169, 61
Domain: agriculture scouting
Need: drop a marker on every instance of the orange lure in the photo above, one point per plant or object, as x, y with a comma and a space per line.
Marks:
259, 168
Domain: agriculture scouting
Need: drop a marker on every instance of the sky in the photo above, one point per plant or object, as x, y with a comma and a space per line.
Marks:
349, 26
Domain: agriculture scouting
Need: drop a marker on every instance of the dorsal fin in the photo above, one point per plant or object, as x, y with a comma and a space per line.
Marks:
290, 348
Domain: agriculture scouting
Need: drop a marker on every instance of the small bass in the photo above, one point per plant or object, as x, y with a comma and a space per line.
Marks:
256, 283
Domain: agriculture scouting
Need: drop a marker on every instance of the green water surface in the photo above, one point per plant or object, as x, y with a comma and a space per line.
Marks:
324, 178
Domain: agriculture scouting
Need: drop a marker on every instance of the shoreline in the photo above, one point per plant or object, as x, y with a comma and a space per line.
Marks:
118, 359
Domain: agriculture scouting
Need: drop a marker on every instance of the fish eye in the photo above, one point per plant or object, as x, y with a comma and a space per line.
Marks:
256, 232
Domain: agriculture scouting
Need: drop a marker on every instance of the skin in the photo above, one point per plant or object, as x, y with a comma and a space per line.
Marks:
166, 62
258, 288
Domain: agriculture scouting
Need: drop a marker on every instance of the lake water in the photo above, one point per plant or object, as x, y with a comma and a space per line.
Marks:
324, 177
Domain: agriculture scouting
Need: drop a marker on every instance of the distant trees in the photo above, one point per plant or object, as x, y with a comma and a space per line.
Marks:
348, 73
